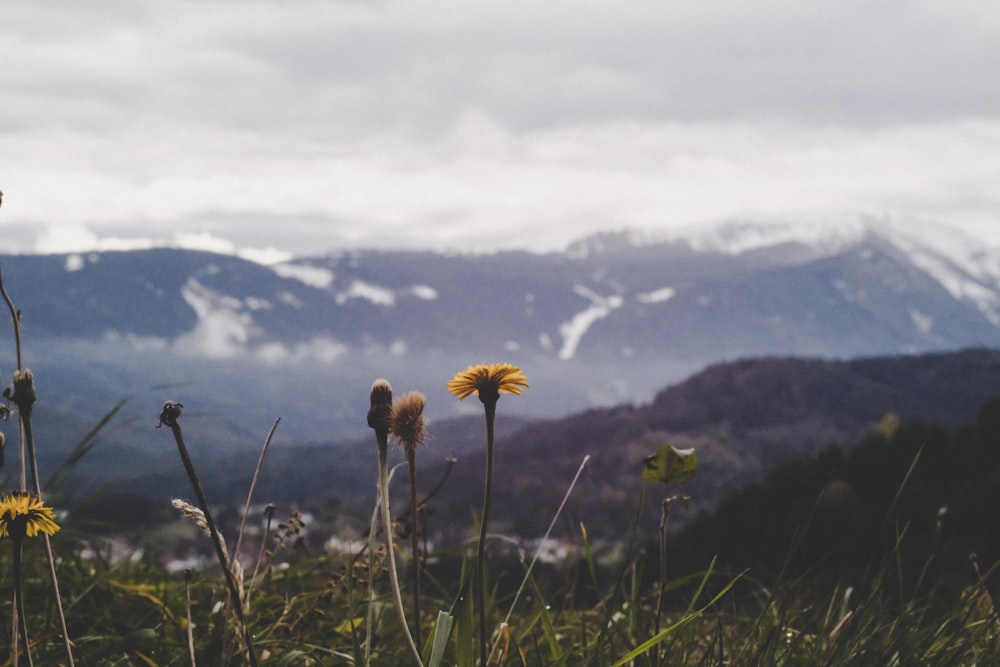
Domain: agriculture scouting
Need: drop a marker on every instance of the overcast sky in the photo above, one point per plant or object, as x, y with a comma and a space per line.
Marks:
311, 126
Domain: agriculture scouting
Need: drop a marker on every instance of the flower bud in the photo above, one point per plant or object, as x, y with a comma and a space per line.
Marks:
380, 414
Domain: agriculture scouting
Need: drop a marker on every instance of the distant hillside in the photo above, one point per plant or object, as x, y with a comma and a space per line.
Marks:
743, 419
610, 321
839, 514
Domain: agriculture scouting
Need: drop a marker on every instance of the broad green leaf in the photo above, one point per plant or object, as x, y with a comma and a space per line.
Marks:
670, 465
441, 633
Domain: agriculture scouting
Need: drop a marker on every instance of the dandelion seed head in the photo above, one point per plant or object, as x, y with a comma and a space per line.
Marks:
408, 420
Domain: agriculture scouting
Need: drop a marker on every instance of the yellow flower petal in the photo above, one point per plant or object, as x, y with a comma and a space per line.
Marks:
488, 380
25, 515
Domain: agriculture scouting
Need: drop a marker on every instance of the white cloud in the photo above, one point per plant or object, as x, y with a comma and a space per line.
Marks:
223, 328
487, 125
318, 350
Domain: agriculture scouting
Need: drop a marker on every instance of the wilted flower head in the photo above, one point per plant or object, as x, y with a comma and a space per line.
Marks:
489, 381
193, 513
408, 420
24, 390
380, 414
25, 515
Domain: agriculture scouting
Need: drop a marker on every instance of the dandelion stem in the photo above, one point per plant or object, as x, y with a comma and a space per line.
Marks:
22, 625
383, 492
411, 460
169, 417
664, 513
490, 407
24, 398
370, 621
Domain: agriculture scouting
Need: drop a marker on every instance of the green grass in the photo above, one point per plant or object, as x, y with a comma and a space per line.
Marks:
305, 607
302, 609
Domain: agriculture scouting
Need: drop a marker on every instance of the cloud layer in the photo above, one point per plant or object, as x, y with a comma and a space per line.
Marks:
473, 125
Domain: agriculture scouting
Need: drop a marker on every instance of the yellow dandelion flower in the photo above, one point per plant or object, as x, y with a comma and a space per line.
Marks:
25, 515
488, 380
408, 420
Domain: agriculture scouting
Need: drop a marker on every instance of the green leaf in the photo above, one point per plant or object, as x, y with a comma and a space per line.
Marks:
465, 644
670, 465
662, 636
441, 633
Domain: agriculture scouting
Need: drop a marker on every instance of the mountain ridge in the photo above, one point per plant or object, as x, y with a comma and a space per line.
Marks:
305, 338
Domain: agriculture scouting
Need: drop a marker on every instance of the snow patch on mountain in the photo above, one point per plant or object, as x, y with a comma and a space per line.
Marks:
314, 276
359, 289
74, 263
957, 261
572, 331
968, 270
737, 237
656, 296
425, 292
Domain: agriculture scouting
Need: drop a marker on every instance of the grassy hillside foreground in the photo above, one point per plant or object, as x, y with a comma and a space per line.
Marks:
879, 555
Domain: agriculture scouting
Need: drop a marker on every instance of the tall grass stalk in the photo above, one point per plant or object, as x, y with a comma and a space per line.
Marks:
187, 609
411, 461
268, 520
397, 596
22, 626
538, 550
380, 419
487, 381
168, 417
628, 566
409, 432
664, 515
372, 545
24, 397
253, 486
372, 549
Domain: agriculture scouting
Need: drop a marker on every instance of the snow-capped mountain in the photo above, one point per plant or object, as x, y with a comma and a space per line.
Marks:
613, 319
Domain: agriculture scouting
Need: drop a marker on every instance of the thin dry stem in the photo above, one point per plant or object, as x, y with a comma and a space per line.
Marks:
190, 625
253, 485
171, 411
411, 461
24, 398
383, 479
538, 550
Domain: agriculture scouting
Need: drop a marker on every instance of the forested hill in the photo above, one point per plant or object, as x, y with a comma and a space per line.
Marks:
916, 504
743, 418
